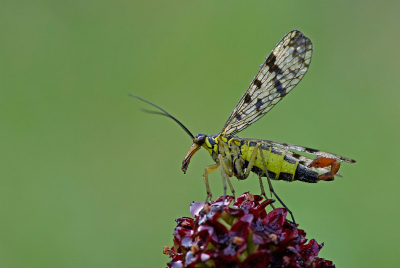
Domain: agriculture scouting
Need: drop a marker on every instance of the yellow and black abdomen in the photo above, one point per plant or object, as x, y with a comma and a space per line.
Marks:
279, 165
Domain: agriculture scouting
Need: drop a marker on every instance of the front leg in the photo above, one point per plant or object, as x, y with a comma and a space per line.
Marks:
208, 170
212, 168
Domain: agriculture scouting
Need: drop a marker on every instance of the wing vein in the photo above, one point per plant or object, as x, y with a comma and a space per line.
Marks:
282, 70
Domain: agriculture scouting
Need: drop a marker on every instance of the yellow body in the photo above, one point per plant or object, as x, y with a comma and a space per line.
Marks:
237, 153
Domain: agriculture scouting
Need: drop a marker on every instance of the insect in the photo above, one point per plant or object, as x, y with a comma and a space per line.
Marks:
234, 156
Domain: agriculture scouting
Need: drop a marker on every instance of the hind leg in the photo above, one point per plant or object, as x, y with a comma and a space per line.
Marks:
321, 162
231, 187
271, 189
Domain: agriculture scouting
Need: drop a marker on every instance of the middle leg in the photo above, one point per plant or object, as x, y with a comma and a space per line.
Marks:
224, 177
228, 172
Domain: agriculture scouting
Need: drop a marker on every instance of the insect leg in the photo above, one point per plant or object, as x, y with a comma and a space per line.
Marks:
231, 187
271, 189
263, 191
262, 188
250, 166
208, 170
223, 173
227, 172
321, 162
251, 163
260, 178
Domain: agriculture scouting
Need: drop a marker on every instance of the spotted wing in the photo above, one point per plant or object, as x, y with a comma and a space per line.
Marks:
280, 73
311, 151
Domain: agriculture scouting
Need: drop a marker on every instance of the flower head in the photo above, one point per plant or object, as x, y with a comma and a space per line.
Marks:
243, 235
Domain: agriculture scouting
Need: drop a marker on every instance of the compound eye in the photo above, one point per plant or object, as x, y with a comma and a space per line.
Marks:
200, 139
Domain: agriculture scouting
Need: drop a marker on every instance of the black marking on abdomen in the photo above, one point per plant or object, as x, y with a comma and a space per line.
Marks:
290, 159
265, 146
255, 169
275, 151
305, 174
271, 174
238, 116
285, 176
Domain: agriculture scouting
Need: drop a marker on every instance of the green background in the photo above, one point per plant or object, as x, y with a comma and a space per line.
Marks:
88, 180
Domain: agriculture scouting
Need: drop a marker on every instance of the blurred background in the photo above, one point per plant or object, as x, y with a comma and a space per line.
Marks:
88, 180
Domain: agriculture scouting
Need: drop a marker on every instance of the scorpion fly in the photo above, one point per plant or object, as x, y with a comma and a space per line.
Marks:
282, 70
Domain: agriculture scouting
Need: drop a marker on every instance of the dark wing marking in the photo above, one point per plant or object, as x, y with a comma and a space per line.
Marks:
312, 151
280, 73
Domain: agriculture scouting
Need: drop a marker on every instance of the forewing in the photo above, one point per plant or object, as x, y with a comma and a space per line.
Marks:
280, 73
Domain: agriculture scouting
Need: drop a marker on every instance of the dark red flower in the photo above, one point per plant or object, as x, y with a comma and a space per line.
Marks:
242, 236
